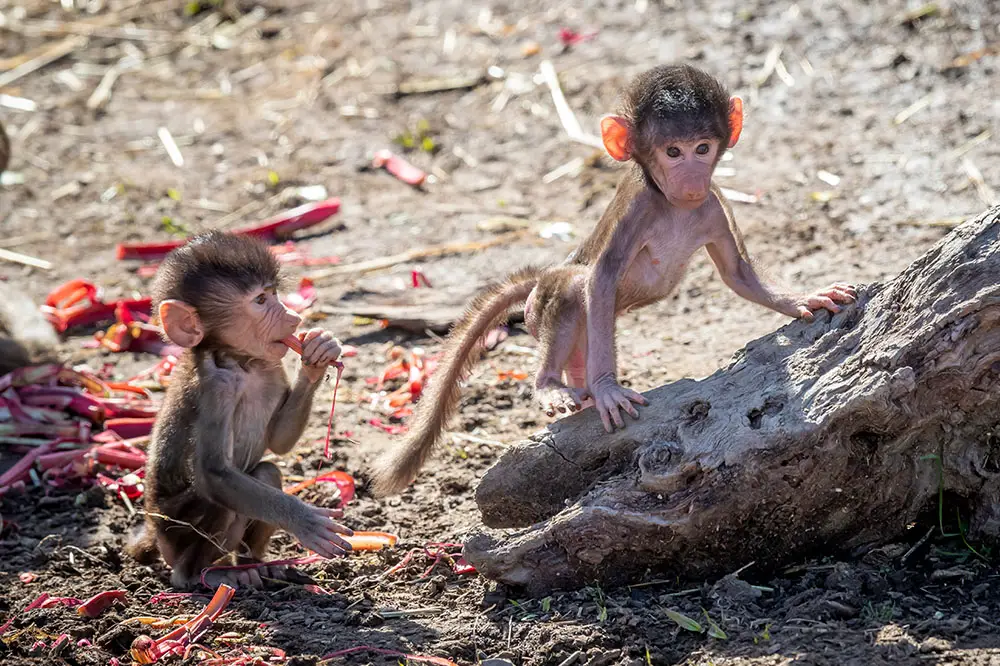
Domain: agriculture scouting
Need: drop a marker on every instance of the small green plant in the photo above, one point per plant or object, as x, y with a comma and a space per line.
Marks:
683, 621
765, 635
173, 228
523, 607
714, 630
598, 595
881, 613
197, 6
420, 138
457, 451
546, 604
958, 516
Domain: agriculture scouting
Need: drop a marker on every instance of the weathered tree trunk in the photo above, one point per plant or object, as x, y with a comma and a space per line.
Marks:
820, 437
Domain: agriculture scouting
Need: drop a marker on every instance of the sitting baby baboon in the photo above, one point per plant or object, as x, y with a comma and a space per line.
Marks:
208, 495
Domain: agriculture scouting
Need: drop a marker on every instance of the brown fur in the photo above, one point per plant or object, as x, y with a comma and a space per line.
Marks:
672, 101
439, 403
208, 494
635, 256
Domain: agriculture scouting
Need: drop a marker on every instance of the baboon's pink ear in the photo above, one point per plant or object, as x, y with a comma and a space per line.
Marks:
181, 323
616, 133
735, 119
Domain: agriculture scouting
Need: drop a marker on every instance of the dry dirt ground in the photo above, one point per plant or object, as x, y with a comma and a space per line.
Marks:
301, 93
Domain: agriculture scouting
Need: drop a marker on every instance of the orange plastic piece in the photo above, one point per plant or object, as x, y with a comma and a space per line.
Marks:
344, 481
371, 540
145, 650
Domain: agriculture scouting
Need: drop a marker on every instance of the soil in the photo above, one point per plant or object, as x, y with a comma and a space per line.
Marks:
303, 96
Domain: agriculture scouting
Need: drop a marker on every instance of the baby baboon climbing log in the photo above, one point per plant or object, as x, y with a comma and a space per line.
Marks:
816, 437
675, 123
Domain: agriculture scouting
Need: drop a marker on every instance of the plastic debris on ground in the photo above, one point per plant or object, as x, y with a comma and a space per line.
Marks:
145, 650
399, 167
74, 429
274, 229
414, 368
302, 299
79, 303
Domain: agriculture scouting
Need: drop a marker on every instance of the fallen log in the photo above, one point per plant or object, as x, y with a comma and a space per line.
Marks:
822, 437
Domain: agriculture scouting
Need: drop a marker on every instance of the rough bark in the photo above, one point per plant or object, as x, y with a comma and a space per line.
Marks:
827, 436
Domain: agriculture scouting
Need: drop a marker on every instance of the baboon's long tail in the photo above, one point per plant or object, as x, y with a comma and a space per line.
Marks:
491, 307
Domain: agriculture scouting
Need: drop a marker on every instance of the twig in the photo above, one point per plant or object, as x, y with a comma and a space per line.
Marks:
208, 204
770, 63
912, 109
570, 660
461, 436
414, 612
947, 222
168, 519
830, 179
14, 241
982, 137
224, 37
18, 103
411, 255
102, 93
172, 150
571, 167
82, 28
783, 74
986, 192
566, 115
55, 52
43, 55
435, 85
27, 260
742, 197
908, 554
87, 555
650, 583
